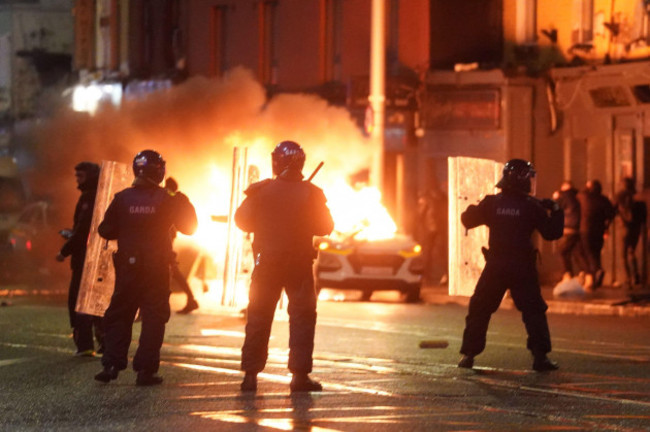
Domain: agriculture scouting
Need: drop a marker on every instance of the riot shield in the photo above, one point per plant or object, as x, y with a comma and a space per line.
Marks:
470, 179
98, 277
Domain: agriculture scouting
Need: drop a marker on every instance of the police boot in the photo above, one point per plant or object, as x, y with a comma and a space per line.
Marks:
544, 364
467, 362
107, 374
146, 378
249, 384
302, 383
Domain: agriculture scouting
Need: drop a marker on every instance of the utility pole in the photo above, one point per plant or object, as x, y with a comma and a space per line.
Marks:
377, 97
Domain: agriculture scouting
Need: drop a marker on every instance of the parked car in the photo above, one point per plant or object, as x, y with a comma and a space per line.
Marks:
33, 242
347, 263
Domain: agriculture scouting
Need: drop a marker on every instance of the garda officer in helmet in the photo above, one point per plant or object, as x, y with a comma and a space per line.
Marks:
140, 218
511, 216
283, 213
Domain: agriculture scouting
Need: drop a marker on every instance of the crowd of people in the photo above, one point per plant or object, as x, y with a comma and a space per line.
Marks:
283, 214
588, 216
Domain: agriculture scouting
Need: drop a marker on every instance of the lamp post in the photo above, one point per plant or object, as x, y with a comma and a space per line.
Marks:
377, 97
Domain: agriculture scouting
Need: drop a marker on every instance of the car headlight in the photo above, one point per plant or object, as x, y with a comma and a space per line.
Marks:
414, 251
337, 249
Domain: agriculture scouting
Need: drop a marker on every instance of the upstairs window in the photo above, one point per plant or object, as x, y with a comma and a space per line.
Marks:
526, 21
583, 22
332, 25
217, 40
267, 50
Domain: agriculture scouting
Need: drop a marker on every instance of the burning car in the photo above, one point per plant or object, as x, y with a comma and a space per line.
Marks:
368, 265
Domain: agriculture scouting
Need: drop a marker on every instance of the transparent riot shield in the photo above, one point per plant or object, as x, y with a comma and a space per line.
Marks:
98, 277
236, 245
470, 179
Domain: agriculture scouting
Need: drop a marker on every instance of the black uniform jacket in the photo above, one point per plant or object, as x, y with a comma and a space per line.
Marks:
140, 218
83, 215
512, 219
284, 215
568, 201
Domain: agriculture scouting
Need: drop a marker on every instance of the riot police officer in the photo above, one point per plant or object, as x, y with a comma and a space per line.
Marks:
283, 213
87, 176
140, 218
511, 216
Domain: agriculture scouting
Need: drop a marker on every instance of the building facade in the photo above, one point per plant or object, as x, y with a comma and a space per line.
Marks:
563, 83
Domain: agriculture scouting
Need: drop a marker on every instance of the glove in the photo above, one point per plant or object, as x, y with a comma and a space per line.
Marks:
549, 204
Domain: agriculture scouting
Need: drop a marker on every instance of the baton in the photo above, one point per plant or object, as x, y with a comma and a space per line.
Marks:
320, 165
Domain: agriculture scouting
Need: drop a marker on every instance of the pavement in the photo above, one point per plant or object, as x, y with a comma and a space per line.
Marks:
606, 300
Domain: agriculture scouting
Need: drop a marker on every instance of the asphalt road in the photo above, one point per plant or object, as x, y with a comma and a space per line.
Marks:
375, 376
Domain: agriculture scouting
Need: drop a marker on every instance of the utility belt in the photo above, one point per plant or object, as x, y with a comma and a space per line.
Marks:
133, 260
530, 255
273, 257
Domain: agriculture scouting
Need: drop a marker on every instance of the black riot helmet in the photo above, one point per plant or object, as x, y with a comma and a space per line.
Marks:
150, 165
288, 157
518, 175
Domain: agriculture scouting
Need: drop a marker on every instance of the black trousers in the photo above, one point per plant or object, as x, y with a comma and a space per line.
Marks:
631, 236
522, 280
82, 324
571, 249
593, 245
269, 278
136, 288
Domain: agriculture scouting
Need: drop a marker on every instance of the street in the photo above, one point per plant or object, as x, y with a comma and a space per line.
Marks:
367, 356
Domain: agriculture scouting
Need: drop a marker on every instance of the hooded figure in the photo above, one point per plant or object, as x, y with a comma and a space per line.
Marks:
87, 176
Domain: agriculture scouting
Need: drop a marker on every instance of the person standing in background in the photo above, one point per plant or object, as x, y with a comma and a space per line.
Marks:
633, 214
191, 304
570, 246
431, 229
597, 213
87, 177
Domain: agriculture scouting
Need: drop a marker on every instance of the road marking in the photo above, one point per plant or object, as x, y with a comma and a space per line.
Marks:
514, 385
8, 362
283, 379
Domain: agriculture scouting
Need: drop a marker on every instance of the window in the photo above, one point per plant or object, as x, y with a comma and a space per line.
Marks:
642, 93
609, 96
583, 21
217, 40
526, 31
643, 14
331, 27
267, 55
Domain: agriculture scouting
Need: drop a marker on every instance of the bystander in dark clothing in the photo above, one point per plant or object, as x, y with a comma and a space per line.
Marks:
511, 216
633, 214
570, 246
284, 214
597, 213
87, 176
140, 218
431, 230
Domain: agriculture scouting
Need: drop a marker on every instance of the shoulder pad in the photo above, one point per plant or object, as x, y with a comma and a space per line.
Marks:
255, 187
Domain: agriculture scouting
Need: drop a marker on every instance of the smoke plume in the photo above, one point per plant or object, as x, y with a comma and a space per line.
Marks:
195, 126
